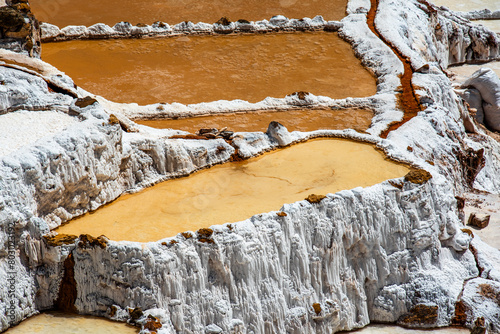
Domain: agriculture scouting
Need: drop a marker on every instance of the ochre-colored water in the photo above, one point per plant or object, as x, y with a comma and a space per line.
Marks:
236, 191
210, 68
77, 12
294, 120
55, 322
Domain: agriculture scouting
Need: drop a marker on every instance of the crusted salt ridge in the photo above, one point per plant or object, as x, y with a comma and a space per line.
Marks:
232, 287
279, 23
450, 38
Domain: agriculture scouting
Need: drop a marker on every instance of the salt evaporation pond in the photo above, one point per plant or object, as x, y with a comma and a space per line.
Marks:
293, 120
465, 71
468, 5
61, 323
384, 329
76, 12
236, 191
493, 25
210, 68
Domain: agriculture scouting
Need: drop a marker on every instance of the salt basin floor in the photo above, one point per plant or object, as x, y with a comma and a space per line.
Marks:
24, 128
210, 68
236, 191
56, 322
75, 12
463, 72
485, 204
293, 120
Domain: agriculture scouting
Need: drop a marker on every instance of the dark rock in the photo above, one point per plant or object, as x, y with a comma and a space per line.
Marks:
85, 102
224, 21
226, 134
478, 220
419, 176
313, 198
136, 313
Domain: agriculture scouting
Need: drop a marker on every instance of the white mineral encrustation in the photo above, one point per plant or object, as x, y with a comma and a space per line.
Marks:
396, 252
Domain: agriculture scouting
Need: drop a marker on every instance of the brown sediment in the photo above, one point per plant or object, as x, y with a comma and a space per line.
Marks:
420, 315
67, 291
76, 12
60, 239
294, 120
199, 69
236, 191
418, 176
407, 99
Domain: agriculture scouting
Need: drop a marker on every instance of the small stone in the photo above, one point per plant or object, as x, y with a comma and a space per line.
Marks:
85, 102
478, 220
419, 176
313, 198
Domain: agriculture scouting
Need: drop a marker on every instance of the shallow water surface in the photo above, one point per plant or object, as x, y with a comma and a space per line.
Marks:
462, 72
294, 120
385, 329
210, 68
55, 322
468, 5
236, 191
77, 12
493, 25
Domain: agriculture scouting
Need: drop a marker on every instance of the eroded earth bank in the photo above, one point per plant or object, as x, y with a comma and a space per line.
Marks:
395, 252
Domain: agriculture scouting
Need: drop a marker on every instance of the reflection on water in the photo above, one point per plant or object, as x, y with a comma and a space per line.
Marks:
468, 5
76, 12
294, 120
60, 323
210, 68
236, 191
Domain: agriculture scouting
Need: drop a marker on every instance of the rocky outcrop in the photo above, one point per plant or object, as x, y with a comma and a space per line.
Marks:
19, 29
